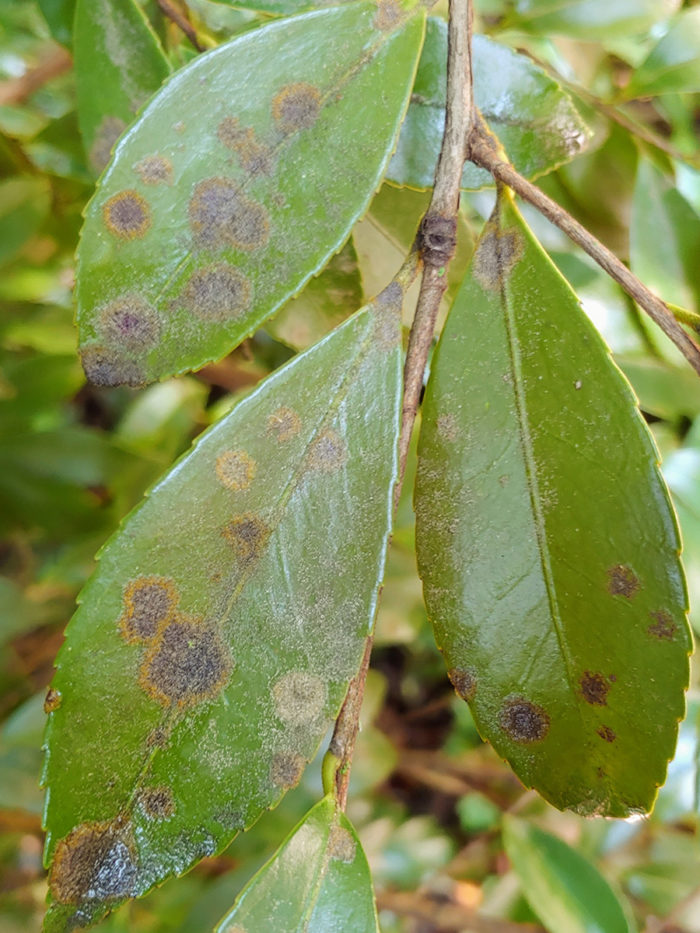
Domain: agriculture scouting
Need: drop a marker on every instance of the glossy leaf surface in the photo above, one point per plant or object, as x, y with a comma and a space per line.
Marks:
591, 19
546, 542
214, 644
563, 888
531, 114
119, 64
239, 181
318, 881
673, 65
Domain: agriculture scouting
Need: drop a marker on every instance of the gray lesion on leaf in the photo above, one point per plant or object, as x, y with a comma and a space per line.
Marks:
523, 721
108, 132
96, 861
107, 366
299, 697
497, 253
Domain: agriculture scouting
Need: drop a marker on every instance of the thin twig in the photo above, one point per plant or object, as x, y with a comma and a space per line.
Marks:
437, 240
483, 150
178, 17
17, 90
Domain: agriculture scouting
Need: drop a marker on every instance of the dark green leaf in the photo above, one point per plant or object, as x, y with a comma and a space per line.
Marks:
59, 15
257, 562
318, 881
562, 887
591, 19
24, 204
546, 541
530, 113
238, 182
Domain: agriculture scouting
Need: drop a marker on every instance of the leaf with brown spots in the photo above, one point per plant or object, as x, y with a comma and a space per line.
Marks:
237, 184
317, 876
216, 640
546, 541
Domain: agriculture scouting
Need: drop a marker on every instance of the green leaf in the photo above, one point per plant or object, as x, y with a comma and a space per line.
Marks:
215, 642
531, 114
59, 16
240, 180
119, 64
546, 541
281, 7
24, 205
563, 888
673, 65
591, 19
665, 239
318, 881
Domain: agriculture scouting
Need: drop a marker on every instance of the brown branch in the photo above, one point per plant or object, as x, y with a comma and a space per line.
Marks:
483, 151
178, 17
17, 90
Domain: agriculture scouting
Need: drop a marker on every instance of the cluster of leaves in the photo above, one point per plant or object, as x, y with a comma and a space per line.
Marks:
230, 612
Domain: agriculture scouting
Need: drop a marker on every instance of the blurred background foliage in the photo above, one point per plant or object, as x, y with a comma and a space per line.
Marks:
454, 841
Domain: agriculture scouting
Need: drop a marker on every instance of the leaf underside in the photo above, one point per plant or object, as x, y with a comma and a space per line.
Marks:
318, 881
214, 644
239, 181
546, 541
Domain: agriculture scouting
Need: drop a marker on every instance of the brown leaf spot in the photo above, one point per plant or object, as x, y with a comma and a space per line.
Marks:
158, 738
127, 215
296, 107
283, 424
299, 697
218, 292
447, 427
464, 682
220, 216
155, 170
129, 322
606, 734
495, 256
235, 469
255, 158
106, 366
247, 535
149, 602
286, 769
328, 452
523, 721
389, 15
52, 700
108, 132
341, 845
188, 664
663, 626
594, 689
157, 803
94, 862
622, 581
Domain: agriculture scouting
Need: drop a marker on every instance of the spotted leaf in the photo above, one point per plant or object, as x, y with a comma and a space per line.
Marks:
546, 542
317, 881
242, 177
215, 642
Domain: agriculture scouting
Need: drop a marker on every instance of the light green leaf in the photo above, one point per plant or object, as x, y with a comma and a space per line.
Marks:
673, 65
546, 541
282, 7
665, 239
119, 64
59, 16
215, 642
591, 19
239, 181
318, 881
563, 888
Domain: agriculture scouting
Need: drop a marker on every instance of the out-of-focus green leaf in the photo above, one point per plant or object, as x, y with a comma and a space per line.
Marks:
237, 184
325, 302
546, 540
24, 205
59, 15
591, 19
665, 239
119, 64
216, 640
663, 390
563, 888
318, 881
281, 7
673, 65
531, 114
20, 757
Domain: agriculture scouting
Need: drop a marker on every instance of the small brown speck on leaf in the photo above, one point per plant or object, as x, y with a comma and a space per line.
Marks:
52, 700
523, 721
107, 366
496, 254
149, 602
328, 452
296, 107
606, 733
663, 626
129, 322
623, 581
299, 697
255, 158
594, 688
158, 738
447, 427
127, 215
283, 424
218, 293
389, 15
157, 803
341, 845
94, 862
247, 535
235, 469
155, 170
464, 682
222, 216
286, 769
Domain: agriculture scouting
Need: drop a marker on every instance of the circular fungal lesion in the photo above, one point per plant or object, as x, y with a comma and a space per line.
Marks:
283, 424
286, 769
94, 862
235, 469
623, 581
606, 733
129, 322
254, 157
296, 107
221, 216
157, 803
127, 215
464, 682
663, 627
594, 688
247, 535
187, 664
149, 602
299, 697
341, 845
218, 293
523, 721
328, 452
107, 366
155, 170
